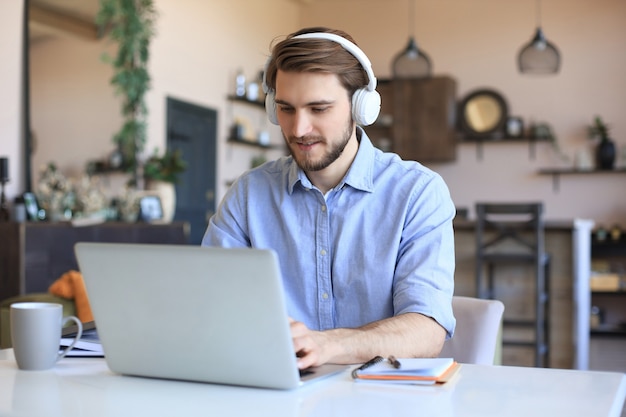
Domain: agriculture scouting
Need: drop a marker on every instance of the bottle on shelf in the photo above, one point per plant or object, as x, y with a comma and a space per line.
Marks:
254, 88
252, 93
240, 83
616, 233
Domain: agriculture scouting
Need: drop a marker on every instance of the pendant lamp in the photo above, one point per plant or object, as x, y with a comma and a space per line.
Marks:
411, 62
539, 56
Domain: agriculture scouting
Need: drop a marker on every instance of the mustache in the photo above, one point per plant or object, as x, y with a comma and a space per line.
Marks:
305, 139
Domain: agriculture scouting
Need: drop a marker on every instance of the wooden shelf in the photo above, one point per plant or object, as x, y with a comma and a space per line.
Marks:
244, 100
480, 141
557, 172
612, 331
610, 302
245, 142
251, 143
469, 139
610, 293
574, 171
608, 248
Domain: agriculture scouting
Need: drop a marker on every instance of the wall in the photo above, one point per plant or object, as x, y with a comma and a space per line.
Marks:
74, 111
11, 17
199, 46
195, 54
198, 64
476, 42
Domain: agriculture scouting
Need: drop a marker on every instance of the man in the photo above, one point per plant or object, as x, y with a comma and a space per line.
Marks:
364, 239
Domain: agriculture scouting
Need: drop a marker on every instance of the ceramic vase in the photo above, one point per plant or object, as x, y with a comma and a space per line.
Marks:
167, 193
605, 155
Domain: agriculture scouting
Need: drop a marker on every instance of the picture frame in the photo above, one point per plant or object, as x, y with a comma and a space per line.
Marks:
514, 127
150, 208
32, 206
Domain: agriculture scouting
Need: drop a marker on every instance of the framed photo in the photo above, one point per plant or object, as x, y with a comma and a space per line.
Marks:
514, 127
150, 208
32, 206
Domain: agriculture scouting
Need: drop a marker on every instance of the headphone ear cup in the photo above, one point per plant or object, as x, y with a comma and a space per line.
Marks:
365, 106
270, 107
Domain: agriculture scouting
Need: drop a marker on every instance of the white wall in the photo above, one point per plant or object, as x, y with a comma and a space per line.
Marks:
74, 111
200, 44
11, 17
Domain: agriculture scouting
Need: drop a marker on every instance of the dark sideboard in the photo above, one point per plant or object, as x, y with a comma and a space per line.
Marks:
34, 255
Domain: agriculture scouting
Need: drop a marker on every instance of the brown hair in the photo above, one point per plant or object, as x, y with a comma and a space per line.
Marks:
316, 55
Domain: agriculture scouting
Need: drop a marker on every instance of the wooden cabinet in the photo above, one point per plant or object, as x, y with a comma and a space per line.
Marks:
417, 119
34, 255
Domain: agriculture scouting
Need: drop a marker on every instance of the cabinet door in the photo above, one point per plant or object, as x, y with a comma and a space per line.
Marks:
11, 257
424, 118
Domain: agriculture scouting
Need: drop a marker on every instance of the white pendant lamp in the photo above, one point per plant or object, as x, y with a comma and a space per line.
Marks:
539, 56
411, 62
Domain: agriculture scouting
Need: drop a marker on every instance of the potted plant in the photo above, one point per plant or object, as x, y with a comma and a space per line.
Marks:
160, 173
165, 167
605, 149
543, 131
130, 24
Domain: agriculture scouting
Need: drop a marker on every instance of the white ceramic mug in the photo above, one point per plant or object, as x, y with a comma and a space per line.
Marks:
36, 334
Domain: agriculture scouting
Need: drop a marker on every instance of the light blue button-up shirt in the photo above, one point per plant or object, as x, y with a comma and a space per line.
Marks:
379, 244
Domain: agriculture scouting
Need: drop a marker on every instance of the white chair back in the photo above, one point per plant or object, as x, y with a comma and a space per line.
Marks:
478, 331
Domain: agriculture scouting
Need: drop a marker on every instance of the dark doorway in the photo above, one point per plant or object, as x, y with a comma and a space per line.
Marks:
193, 130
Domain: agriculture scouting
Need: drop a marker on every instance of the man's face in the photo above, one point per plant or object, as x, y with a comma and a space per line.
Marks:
314, 114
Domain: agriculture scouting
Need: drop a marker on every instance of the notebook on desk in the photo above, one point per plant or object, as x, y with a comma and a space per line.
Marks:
192, 313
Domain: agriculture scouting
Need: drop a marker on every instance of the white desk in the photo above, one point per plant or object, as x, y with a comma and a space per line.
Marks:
86, 387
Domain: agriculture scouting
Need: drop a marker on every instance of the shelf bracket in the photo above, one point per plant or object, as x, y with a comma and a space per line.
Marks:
479, 150
556, 178
532, 148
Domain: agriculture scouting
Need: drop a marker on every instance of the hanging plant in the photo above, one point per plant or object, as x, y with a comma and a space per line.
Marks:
130, 24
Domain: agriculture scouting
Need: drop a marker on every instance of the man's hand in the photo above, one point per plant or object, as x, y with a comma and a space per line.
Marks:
308, 344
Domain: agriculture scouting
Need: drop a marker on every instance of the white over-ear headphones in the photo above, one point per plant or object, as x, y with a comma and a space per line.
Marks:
365, 101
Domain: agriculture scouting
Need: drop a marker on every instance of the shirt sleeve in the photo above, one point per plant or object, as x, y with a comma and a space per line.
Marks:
424, 278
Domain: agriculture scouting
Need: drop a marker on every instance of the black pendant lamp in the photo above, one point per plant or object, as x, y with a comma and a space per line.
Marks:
539, 56
411, 62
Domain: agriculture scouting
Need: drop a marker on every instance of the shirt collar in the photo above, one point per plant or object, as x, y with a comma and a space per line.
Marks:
360, 173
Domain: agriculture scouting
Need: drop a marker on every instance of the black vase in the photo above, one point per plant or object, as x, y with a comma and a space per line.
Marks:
605, 154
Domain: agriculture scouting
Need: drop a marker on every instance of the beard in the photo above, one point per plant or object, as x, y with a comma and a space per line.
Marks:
308, 163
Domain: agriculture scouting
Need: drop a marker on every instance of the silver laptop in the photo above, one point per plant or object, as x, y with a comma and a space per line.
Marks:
193, 313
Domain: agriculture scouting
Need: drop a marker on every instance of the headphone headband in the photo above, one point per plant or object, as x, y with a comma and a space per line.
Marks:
350, 47
346, 44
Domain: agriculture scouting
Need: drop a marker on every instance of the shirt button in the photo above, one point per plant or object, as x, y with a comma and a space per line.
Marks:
325, 296
323, 208
323, 252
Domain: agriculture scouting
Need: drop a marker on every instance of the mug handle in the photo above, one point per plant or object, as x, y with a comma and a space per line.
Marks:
79, 334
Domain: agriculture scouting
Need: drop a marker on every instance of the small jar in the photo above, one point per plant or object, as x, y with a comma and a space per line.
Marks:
616, 233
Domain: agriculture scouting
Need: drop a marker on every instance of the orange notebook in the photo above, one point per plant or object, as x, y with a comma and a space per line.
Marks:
424, 371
